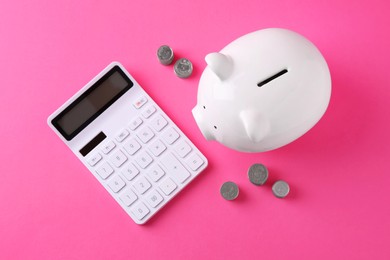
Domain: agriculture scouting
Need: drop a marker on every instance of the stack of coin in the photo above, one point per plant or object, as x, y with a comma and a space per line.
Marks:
183, 68
258, 174
229, 190
280, 189
165, 54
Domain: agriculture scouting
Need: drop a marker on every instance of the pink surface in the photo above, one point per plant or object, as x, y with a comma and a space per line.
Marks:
53, 208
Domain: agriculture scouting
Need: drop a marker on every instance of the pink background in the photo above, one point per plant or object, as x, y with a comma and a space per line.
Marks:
51, 207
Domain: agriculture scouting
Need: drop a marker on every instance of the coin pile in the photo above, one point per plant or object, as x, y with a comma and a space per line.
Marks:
258, 175
165, 55
183, 67
229, 190
280, 189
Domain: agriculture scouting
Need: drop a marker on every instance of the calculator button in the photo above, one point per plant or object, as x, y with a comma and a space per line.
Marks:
157, 148
135, 123
170, 136
122, 135
154, 198
142, 185
118, 158
168, 186
155, 173
94, 159
128, 197
140, 210
149, 111
107, 147
116, 183
132, 146
158, 123
144, 160
145, 134
140, 102
194, 162
130, 171
182, 149
105, 170
175, 168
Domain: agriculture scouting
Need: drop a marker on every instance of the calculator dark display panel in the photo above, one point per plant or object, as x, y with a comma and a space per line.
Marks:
94, 101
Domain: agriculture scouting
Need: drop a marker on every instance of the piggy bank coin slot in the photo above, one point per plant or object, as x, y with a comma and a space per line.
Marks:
275, 76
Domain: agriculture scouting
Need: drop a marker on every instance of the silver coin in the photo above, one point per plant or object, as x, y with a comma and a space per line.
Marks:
229, 190
258, 174
183, 68
165, 54
280, 189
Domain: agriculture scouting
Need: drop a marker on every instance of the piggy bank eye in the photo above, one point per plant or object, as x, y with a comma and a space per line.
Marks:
204, 107
215, 127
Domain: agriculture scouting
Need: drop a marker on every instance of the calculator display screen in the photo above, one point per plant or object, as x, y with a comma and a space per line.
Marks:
94, 101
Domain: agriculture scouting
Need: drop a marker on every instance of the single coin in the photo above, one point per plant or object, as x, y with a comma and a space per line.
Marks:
229, 190
258, 174
280, 189
165, 54
183, 68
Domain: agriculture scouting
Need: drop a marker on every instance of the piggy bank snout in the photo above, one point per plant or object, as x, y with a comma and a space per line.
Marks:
201, 122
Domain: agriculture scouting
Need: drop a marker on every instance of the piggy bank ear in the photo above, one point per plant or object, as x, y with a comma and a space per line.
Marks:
256, 125
220, 64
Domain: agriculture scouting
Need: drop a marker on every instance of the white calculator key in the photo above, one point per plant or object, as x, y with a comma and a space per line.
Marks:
116, 183
94, 159
132, 146
182, 148
105, 170
142, 185
175, 168
128, 197
194, 162
149, 111
170, 135
157, 148
154, 198
118, 158
122, 135
107, 147
135, 123
140, 102
155, 173
140, 210
158, 123
168, 186
145, 134
130, 171
144, 160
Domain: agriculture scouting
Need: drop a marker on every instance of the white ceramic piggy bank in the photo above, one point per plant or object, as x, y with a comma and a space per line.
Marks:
262, 91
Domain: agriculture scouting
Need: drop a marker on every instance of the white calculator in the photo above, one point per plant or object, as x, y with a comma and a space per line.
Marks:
127, 142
